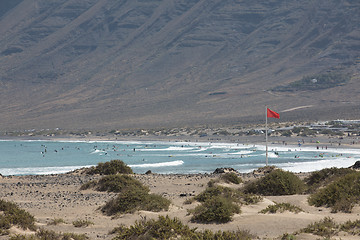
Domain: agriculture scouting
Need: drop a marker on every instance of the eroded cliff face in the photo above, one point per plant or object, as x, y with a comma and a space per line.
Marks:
100, 63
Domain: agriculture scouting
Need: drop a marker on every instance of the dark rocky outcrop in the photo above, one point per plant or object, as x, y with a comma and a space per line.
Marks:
356, 165
224, 170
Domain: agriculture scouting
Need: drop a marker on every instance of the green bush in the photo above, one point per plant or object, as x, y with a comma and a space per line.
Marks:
166, 228
73, 236
231, 177
88, 185
43, 234
82, 223
341, 195
5, 225
216, 209
324, 177
228, 235
133, 195
56, 221
325, 228
134, 199
216, 191
234, 195
13, 215
155, 203
114, 183
249, 198
163, 228
351, 227
24, 237
108, 168
287, 236
220, 203
281, 207
277, 182
266, 169
328, 228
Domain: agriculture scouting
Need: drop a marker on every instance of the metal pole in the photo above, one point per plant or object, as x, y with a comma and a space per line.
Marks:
266, 134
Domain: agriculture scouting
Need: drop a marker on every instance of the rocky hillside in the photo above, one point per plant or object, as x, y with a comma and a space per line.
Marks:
146, 63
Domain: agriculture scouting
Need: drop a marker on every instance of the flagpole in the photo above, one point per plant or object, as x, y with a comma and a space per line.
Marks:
266, 134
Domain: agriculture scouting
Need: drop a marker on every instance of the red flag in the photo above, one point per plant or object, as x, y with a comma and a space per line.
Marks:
272, 114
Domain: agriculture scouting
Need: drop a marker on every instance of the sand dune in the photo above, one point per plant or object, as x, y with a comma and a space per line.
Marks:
58, 196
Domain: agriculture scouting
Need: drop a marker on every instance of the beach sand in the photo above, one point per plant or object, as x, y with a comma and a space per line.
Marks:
50, 197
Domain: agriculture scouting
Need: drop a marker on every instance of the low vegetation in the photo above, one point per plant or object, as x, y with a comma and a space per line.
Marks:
324, 228
167, 228
50, 235
325, 176
250, 198
328, 228
13, 215
340, 195
231, 177
352, 227
132, 194
108, 168
281, 207
114, 183
216, 191
216, 209
134, 199
287, 236
219, 203
82, 223
266, 169
56, 221
276, 183
235, 195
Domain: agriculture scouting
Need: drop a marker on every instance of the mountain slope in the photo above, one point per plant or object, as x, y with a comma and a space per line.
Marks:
104, 63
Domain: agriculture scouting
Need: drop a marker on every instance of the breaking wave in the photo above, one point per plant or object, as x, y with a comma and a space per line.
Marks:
162, 164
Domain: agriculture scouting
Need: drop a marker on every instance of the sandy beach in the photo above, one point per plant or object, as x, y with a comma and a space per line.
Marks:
50, 197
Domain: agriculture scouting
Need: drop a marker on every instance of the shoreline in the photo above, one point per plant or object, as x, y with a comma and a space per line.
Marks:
275, 143
319, 141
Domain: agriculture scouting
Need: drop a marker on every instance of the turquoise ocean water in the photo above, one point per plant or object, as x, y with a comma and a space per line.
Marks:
51, 157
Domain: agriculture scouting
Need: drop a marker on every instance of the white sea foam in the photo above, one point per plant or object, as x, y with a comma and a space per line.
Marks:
304, 148
201, 149
270, 155
162, 164
187, 154
241, 153
228, 146
39, 170
316, 165
98, 151
330, 149
166, 149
